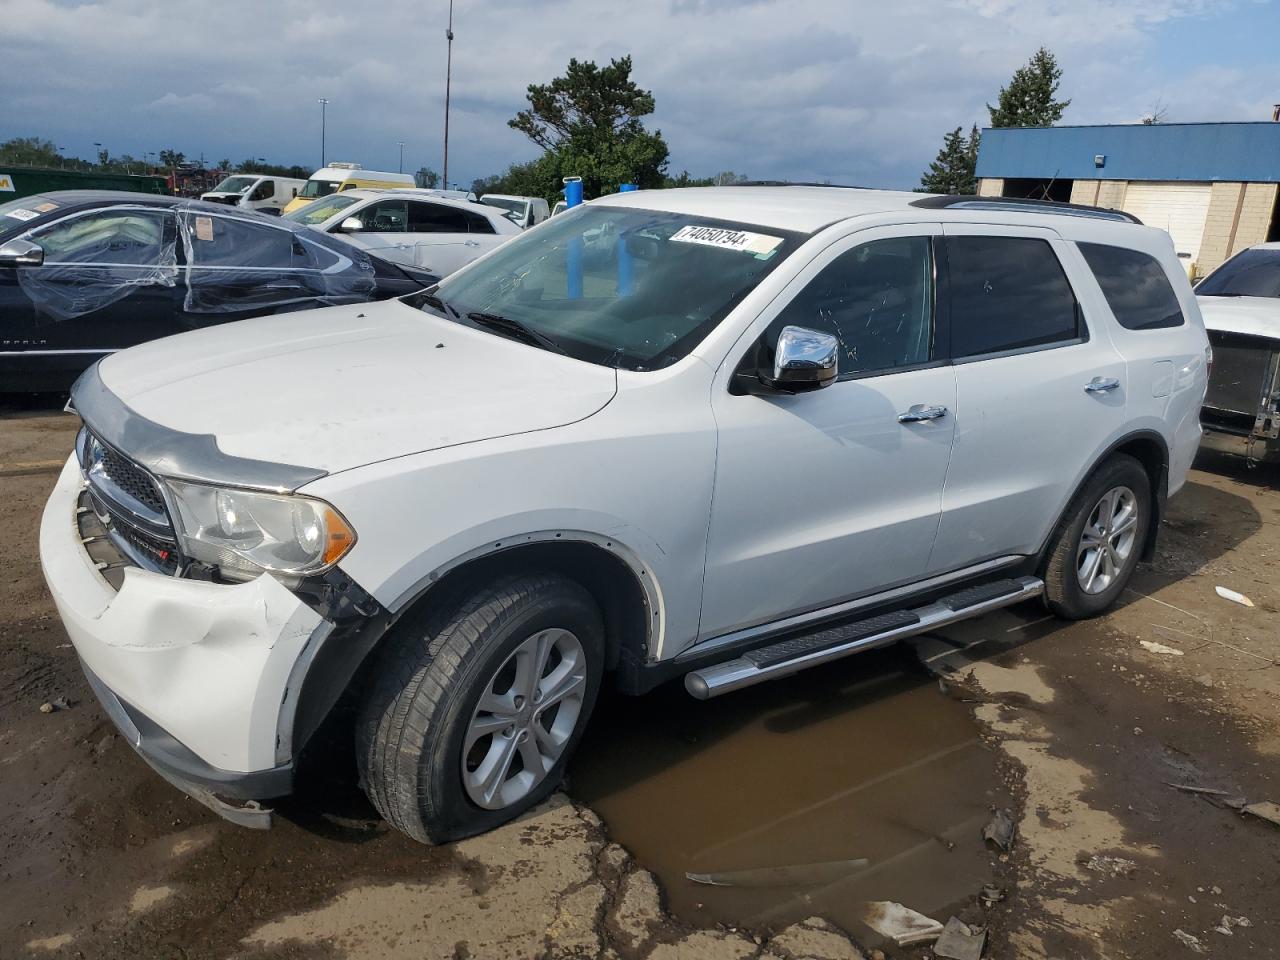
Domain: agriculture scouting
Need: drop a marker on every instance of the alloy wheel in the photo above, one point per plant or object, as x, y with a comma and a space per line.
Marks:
525, 716
1107, 540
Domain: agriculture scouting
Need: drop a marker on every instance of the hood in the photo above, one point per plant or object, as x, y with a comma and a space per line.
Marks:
1253, 316
345, 386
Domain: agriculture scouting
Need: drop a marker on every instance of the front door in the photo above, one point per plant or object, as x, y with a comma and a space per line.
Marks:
824, 496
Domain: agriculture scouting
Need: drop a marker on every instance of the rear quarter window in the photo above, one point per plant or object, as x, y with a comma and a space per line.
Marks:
1135, 285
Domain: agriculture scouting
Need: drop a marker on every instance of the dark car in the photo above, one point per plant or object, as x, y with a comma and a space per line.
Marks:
86, 273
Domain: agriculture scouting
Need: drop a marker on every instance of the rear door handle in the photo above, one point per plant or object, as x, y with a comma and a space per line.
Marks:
1101, 385
921, 412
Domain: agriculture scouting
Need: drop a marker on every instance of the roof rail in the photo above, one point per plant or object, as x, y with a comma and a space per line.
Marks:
1022, 205
796, 183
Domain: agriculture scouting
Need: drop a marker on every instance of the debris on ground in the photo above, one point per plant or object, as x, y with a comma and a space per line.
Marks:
959, 941
61, 703
1190, 940
1111, 866
1191, 788
1233, 596
798, 875
1000, 830
1265, 810
1160, 648
991, 895
1228, 922
900, 924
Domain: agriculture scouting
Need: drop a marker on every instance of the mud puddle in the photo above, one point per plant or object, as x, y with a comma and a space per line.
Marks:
861, 759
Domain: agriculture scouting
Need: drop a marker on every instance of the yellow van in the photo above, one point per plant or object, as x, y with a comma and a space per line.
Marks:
346, 176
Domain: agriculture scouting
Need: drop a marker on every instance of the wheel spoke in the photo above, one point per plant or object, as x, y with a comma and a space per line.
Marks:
483, 727
492, 772
497, 704
1094, 563
534, 761
1124, 525
565, 681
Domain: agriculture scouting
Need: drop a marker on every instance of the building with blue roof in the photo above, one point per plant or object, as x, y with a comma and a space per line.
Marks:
1212, 186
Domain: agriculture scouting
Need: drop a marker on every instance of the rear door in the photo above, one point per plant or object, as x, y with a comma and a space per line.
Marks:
447, 237
1041, 390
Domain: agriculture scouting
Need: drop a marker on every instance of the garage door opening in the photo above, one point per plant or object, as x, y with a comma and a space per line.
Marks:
1038, 189
1178, 208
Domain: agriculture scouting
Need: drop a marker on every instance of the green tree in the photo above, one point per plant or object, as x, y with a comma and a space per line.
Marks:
588, 123
952, 170
1028, 101
104, 157
30, 151
427, 178
171, 158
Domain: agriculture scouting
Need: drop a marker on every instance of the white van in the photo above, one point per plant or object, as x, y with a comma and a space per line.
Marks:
524, 212
346, 176
253, 192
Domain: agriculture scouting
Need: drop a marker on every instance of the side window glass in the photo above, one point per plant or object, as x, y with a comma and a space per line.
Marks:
127, 237
385, 216
1007, 293
478, 224
265, 190
876, 299
226, 242
1135, 285
435, 218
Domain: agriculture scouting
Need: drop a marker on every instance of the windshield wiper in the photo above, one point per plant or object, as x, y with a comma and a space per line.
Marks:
495, 321
439, 303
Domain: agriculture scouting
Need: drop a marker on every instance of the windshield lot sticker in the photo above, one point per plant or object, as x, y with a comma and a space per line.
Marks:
45, 207
759, 244
204, 228
21, 214
6, 184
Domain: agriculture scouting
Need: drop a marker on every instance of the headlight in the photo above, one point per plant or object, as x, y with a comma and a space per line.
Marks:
244, 533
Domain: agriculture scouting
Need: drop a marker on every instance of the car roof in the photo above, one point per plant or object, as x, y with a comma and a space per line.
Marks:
803, 208
369, 193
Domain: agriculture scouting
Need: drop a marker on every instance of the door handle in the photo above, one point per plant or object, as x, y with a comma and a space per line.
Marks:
921, 412
1101, 385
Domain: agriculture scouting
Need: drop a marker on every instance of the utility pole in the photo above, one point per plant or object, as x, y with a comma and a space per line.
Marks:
401, 142
448, 80
323, 106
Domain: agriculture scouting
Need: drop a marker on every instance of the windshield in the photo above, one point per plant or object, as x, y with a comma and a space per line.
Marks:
515, 209
1251, 273
320, 188
636, 289
321, 210
235, 185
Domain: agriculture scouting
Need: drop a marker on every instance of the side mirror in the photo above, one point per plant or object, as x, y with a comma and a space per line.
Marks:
352, 225
803, 360
21, 253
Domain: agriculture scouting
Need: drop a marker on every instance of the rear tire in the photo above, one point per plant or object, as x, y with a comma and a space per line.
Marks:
476, 707
1097, 546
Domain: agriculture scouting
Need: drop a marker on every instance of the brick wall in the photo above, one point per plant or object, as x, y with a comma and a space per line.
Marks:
1239, 216
1098, 193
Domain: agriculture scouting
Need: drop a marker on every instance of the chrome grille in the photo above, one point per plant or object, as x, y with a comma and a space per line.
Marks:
132, 480
129, 508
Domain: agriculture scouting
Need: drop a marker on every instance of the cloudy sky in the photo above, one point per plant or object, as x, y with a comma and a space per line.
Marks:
855, 92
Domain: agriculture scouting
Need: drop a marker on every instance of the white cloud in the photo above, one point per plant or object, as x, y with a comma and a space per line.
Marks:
808, 89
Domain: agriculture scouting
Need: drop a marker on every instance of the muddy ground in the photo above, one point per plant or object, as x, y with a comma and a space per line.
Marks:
898, 758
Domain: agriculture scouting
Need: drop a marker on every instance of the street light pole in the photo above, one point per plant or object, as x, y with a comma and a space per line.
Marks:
448, 80
323, 106
401, 142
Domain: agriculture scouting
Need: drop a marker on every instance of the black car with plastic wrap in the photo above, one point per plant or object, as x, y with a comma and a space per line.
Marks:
86, 273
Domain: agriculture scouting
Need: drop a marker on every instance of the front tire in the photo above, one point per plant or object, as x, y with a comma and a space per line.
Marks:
1096, 547
475, 708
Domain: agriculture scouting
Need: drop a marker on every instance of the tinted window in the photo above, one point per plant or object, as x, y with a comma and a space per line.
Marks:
1007, 293
1135, 286
1251, 273
478, 224
226, 242
436, 218
876, 299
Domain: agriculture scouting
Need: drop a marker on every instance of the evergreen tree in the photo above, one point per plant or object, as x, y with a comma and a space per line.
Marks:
952, 171
1028, 99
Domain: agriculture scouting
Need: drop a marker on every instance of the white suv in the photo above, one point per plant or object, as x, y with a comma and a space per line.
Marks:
725, 434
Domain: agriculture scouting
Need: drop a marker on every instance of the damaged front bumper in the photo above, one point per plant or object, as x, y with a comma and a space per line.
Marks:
202, 678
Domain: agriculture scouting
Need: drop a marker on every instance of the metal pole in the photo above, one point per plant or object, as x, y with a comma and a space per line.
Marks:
448, 81
401, 142
324, 104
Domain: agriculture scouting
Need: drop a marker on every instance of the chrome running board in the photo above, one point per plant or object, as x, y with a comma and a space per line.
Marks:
831, 643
